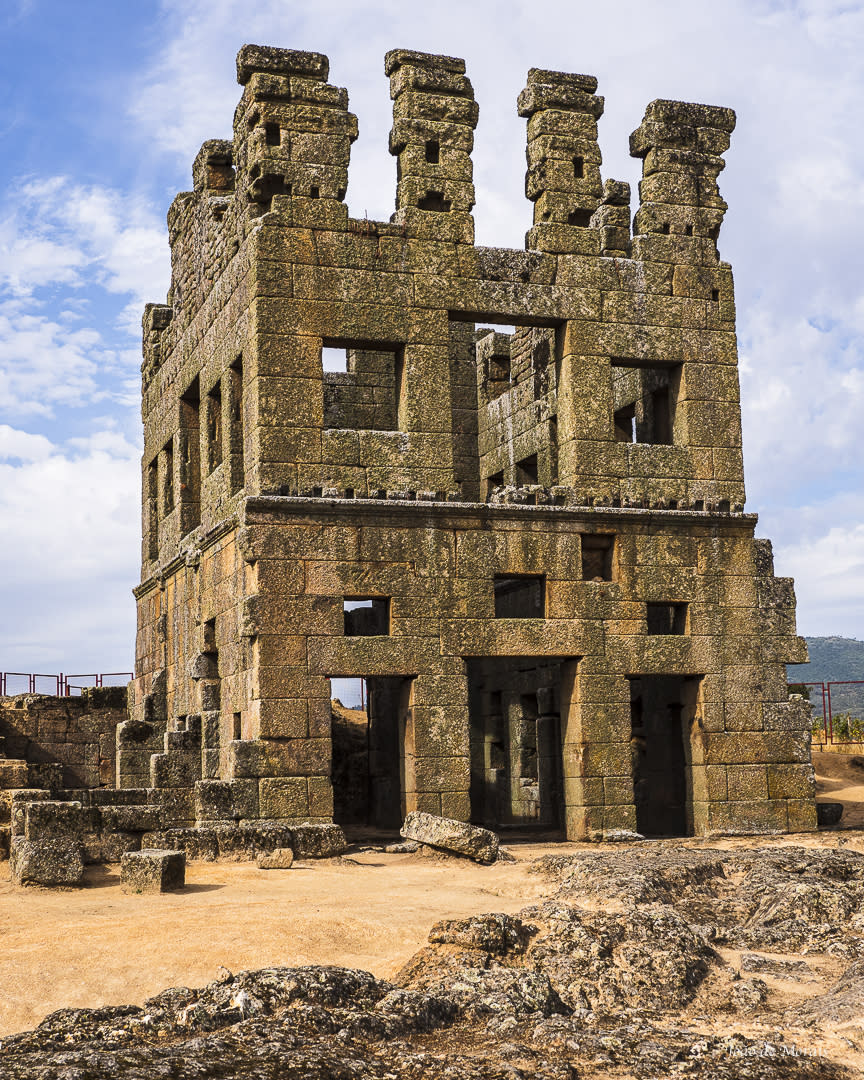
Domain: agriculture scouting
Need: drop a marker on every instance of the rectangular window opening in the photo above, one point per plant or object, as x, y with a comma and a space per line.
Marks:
644, 402
363, 386
433, 151
597, 557
526, 471
237, 727
168, 478
214, 427
581, 218
272, 134
579, 167
520, 596
238, 470
435, 201
190, 457
666, 618
366, 616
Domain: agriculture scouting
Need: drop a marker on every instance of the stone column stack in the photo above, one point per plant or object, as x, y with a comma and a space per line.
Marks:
681, 146
563, 179
434, 116
292, 134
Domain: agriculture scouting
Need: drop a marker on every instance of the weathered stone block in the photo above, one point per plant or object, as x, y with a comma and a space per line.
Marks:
48, 820
481, 845
318, 841
152, 870
113, 845
46, 862
278, 859
199, 844
284, 797
130, 819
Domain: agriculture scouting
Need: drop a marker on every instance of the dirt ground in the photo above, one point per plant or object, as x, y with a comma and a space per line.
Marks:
97, 946
840, 778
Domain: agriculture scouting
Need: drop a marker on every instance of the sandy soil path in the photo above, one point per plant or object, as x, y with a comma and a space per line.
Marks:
840, 778
97, 946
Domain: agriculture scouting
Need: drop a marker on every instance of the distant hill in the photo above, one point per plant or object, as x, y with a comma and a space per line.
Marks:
834, 659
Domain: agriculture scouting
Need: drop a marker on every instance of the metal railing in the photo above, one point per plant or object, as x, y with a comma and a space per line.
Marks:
58, 685
829, 710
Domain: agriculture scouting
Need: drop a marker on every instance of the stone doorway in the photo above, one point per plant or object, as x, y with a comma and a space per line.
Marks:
662, 709
516, 759
367, 741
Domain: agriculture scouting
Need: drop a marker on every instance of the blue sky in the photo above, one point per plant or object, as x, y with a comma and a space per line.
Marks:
105, 105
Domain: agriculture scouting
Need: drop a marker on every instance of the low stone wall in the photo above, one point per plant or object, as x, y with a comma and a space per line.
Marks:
79, 733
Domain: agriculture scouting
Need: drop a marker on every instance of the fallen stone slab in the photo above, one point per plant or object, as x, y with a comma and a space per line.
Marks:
406, 848
280, 859
46, 862
152, 870
478, 844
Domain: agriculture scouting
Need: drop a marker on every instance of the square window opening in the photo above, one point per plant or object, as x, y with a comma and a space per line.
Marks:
644, 402
363, 386
520, 596
598, 557
666, 618
366, 616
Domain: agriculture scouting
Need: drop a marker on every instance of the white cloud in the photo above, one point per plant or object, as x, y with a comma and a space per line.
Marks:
72, 238
59, 229
829, 580
69, 534
23, 446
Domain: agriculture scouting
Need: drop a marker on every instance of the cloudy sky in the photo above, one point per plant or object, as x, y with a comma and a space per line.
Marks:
105, 104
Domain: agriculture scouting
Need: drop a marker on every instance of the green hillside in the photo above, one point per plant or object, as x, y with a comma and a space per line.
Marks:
834, 659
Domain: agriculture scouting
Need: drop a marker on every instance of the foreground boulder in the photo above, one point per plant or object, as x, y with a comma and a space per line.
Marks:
152, 871
481, 845
46, 862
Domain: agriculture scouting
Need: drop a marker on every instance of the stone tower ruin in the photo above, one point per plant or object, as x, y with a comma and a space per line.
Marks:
503, 487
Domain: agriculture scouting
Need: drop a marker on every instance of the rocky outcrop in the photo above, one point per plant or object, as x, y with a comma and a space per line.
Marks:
627, 969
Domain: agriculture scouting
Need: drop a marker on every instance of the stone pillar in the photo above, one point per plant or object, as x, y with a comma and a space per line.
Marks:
681, 147
563, 179
292, 135
598, 777
434, 116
